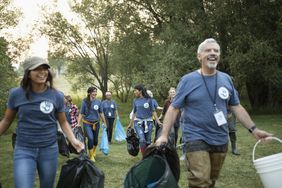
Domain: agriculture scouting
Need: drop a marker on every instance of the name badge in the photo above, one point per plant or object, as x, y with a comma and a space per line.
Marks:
220, 118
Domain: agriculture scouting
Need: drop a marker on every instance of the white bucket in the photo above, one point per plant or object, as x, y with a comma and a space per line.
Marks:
269, 168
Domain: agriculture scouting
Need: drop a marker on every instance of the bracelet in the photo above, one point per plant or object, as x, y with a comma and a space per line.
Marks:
252, 128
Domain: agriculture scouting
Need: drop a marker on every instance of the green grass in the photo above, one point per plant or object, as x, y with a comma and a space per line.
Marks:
237, 172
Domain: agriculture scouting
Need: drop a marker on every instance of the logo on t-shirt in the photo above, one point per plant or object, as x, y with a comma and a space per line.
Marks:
112, 106
96, 107
146, 105
223, 93
46, 107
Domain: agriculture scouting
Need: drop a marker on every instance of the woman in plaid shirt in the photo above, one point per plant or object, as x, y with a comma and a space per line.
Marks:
71, 111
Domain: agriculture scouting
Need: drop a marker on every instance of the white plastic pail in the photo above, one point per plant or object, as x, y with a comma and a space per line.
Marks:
269, 168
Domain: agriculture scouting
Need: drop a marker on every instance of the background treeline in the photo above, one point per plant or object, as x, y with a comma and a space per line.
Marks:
119, 43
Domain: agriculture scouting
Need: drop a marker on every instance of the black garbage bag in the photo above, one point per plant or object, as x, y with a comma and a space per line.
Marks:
77, 131
81, 172
154, 170
132, 142
62, 144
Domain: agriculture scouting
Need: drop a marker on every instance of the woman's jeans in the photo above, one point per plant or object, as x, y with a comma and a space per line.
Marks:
144, 133
92, 135
27, 160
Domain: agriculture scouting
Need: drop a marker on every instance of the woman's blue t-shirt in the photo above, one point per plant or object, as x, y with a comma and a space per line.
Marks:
91, 114
143, 108
109, 108
37, 120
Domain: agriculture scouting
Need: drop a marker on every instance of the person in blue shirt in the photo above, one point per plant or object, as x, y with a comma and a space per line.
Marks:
157, 107
38, 107
204, 97
143, 111
109, 108
90, 114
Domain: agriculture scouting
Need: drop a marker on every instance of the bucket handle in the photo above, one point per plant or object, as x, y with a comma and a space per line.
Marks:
268, 138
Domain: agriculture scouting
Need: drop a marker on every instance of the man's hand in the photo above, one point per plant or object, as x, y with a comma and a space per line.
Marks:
161, 140
261, 135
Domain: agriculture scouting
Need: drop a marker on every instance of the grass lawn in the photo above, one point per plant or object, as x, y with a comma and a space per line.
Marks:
237, 172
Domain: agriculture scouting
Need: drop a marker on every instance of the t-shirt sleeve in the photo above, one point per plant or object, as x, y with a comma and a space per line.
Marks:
102, 106
116, 107
11, 100
100, 110
234, 96
179, 99
83, 107
60, 102
153, 104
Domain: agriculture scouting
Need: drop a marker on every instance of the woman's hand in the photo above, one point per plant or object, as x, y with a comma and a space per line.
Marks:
79, 146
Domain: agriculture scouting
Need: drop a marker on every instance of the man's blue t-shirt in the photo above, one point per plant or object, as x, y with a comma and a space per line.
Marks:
143, 108
37, 121
91, 114
109, 108
192, 97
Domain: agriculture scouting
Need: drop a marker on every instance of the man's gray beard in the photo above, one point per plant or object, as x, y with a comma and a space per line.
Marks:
212, 65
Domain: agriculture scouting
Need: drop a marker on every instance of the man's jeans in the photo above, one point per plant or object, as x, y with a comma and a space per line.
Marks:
144, 133
204, 163
27, 160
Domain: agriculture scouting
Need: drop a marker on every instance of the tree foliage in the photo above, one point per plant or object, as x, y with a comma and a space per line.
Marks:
85, 43
8, 78
249, 33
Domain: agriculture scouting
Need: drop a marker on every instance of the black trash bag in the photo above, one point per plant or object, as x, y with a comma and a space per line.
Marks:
132, 142
153, 171
62, 144
77, 131
81, 172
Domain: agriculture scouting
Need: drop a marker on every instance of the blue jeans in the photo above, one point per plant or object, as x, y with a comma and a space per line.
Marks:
92, 135
27, 160
144, 138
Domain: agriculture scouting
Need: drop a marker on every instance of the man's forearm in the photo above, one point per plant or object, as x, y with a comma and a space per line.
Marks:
242, 116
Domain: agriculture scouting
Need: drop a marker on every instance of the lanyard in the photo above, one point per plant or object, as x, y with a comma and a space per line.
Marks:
213, 99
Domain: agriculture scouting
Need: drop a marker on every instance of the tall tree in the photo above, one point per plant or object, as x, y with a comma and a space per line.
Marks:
8, 77
85, 43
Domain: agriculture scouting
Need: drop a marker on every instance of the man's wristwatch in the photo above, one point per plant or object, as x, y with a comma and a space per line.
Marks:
251, 130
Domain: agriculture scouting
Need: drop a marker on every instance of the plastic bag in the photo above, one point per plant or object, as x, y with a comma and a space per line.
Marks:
62, 144
77, 131
132, 142
119, 132
153, 171
80, 172
104, 144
